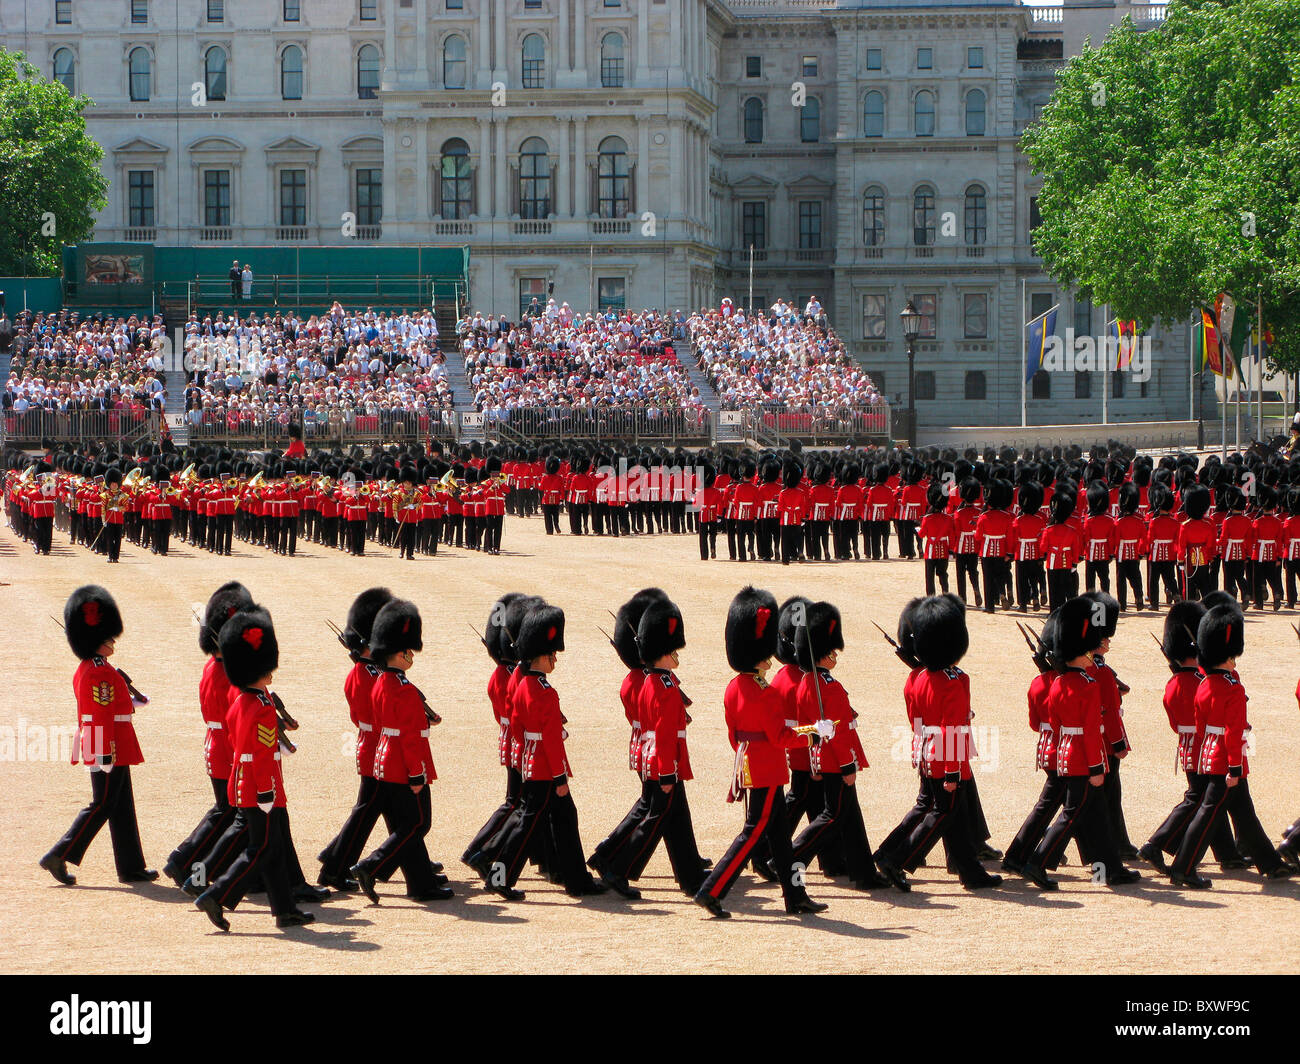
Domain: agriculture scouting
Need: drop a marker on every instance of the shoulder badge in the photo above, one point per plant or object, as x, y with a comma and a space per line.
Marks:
265, 699
267, 735
541, 681
102, 693
98, 662
1232, 680
401, 679
374, 670
666, 679
952, 672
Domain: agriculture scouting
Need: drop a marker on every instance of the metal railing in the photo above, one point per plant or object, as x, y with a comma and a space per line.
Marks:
775, 424
33, 426
634, 423
388, 426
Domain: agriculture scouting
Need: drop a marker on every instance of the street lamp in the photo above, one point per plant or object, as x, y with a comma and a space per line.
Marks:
911, 329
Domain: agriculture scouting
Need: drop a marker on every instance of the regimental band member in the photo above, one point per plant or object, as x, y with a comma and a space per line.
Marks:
1220, 742
665, 761
403, 761
214, 704
359, 687
105, 741
250, 655
760, 736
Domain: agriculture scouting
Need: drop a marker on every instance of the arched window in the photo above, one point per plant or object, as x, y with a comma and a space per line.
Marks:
453, 63
367, 72
873, 217
534, 179
214, 73
138, 66
977, 215
924, 114
534, 61
65, 69
873, 114
975, 113
923, 216
753, 120
612, 184
291, 73
810, 121
456, 180
611, 61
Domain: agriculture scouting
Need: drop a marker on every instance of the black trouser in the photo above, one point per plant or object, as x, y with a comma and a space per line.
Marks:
745, 539
997, 581
1270, 574
1062, 584
344, 850
45, 534
806, 797
906, 538
494, 523
1114, 806
766, 529
1236, 580
113, 802
708, 540
617, 839
1129, 575
409, 816
406, 547
1040, 818
1292, 571
936, 569
577, 517
262, 862
968, 568
1097, 572
945, 819
1165, 573
357, 537
1198, 581
162, 530
1083, 817
895, 840
514, 788
668, 816
1030, 582
765, 819
876, 538
1219, 800
1169, 835
542, 809
216, 821
113, 541
730, 525
791, 542
551, 518
839, 824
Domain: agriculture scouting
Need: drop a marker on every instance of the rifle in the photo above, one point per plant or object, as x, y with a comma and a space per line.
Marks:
284, 724
338, 633
813, 752
899, 653
481, 638
138, 697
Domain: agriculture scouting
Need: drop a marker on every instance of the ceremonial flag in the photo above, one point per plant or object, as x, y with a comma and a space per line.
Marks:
1264, 344
1205, 343
1233, 329
1127, 335
1039, 330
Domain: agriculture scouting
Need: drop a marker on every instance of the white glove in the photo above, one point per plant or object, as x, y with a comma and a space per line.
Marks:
266, 807
825, 728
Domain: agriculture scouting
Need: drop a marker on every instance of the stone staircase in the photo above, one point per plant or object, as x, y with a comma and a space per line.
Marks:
461, 393
174, 411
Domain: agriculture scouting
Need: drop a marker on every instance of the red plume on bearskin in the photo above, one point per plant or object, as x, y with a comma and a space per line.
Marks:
223, 604
541, 633
660, 631
397, 627
750, 639
249, 649
90, 617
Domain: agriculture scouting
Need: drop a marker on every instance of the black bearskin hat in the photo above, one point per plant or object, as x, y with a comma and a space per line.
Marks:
626, 622
396, 628
1220, 635
1062, 504
361, 617
786, 632
751, 631
1196, 501
1111, 607
552, 465
1080, 628
792, 474
998, 493
1031, 497
939, 632
824, 630
1129, 498
541, 633
1181, 625
249, 650
1098, 498
225, 602
494, 639
660, 631
906, 637
90, 618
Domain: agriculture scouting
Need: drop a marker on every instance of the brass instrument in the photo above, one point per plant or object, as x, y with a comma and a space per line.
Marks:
131, 482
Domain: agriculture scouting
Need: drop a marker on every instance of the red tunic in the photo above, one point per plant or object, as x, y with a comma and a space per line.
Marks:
758, 733
1025, 533
1196, 542
964, 520
1075, 708
214, 704
1180, 708
1060, 546
1270, 538
255, 739
538, 706
942, 701
498, 697
663, 715
785, 684
843, 751
1099, 538
359, 689
104, 712
629, 693
402, 754
993, 534
1236, 540
938, 534
1130, 538
1221, 725
1040, 720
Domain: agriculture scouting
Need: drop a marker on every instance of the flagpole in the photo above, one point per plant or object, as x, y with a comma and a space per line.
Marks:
1191, 374
1259, 354
1223, 405
1024, 355
1105, 366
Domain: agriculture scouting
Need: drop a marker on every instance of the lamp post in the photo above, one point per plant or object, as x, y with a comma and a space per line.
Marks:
911, 329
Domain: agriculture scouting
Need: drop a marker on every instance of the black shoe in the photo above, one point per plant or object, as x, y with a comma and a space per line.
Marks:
306, 892
1012, 866
191, 888
343, 884
805, 904
983, 882
1038, 877
1129, 852
871, 881
476, 862
764, 870
1233, 864
988, 853
1192, 881
1155, 857
212, 909
502, 891
366, 882
436, 868
620, 886
294, 918
1123, 876
145, 875
706, 864
894, 874
438, 893
1282, 871
176, 875
58, 868
1288, 853
708, 901
587, 890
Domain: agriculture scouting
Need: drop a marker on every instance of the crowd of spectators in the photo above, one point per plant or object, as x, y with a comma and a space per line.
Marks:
779, 357
556, 359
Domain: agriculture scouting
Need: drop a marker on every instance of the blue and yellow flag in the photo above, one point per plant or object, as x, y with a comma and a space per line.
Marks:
1040, 329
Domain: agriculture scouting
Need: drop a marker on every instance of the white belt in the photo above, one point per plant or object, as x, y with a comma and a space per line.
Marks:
1071, 731
249, 757
931, 730
1045, 728
363, 726
1210, 729
391, 731
124, 718
533, 736
682, 734
792, 724
87, 720
853, 725
424, 734
1187, 729
214, 725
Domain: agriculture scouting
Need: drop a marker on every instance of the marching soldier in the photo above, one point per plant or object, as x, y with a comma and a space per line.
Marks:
758, 733
106, 741
1162, 546
1196, 543
250, 655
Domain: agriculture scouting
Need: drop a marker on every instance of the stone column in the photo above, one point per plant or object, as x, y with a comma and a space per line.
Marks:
564, 169
484, 195
580, 176
483, 76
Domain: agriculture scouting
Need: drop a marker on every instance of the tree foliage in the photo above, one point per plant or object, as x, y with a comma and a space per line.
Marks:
50, 184
1170, 161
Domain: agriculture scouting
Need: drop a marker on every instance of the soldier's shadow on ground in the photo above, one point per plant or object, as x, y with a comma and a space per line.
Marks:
151, 891
309, 936
484, 910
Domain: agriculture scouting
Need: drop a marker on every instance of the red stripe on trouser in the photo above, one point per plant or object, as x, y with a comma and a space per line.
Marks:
94, 806
829, 824
937, 824
346, 841
266, 841
654, 836
391, 859
523, 848
1067, 835
1208, 825
740, 858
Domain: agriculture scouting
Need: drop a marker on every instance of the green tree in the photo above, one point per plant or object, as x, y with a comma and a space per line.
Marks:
50, 184
1171, 166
